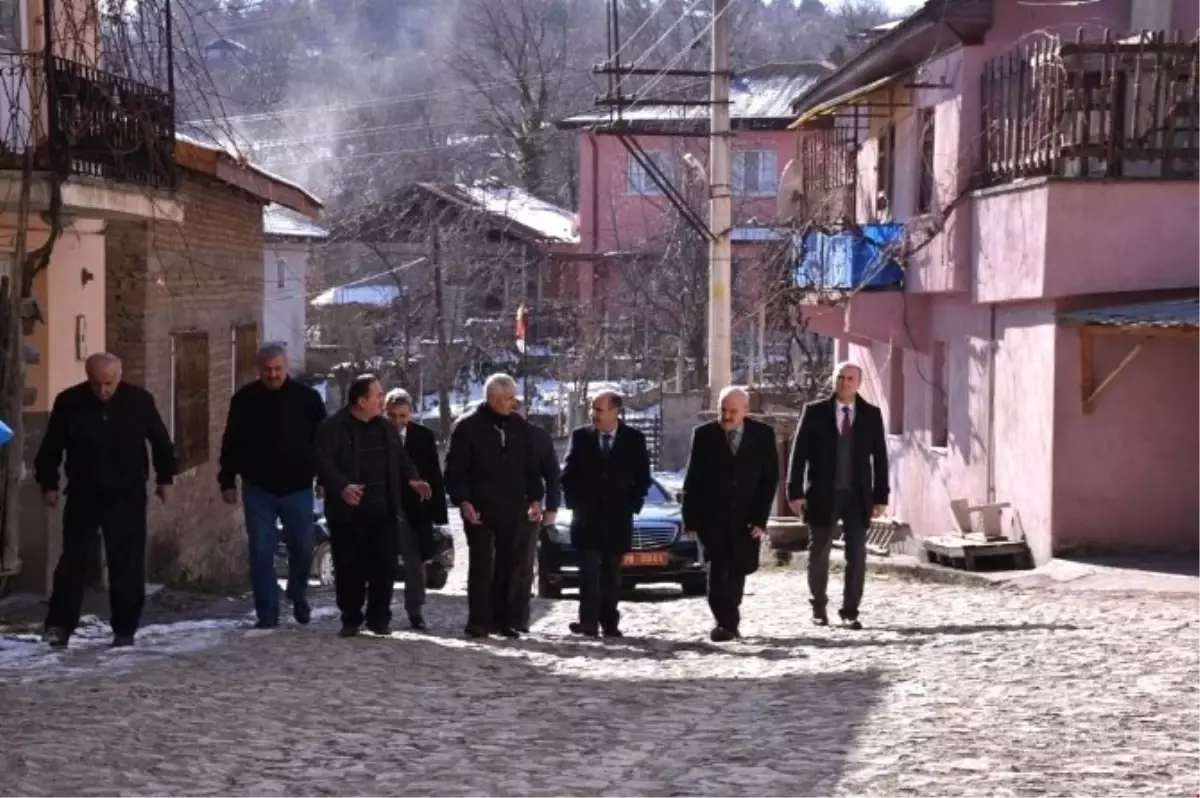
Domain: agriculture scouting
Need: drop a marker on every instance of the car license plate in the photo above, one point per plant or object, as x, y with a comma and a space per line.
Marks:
645, 558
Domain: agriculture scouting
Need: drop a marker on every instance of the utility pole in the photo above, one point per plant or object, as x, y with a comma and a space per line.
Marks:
443, 347
720, 205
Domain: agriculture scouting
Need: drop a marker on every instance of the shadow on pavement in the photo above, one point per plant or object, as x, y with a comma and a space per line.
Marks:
982, 628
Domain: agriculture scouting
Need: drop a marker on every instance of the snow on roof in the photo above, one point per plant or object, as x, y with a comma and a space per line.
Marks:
763, 93
284, 223
223, 144
550, 221
377, 295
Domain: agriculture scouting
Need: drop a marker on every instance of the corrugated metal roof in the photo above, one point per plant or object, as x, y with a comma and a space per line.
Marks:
281, 222
1178, 313
764, 93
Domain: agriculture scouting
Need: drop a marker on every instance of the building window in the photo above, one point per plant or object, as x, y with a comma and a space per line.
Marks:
940, 417
755, 173
245, 354
925, 188
10, 28
640, 181
896, 391
189, 398
280, 273
885, 171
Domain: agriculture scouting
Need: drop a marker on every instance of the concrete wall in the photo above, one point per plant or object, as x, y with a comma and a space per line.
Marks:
285, 268
680, 415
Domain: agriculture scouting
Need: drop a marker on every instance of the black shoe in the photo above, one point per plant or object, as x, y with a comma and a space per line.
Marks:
510, 633
475, 632
348, 631
613, 632
579, 629
121, 641
380, 630
849, 621
302, 612
417, 622
819, 617
267, 623
57, 637
721, 635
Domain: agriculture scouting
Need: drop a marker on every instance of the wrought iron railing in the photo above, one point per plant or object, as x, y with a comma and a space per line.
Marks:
1118, 107
107, 126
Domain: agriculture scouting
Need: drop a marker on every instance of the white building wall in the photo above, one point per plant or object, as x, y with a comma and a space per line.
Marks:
284, 300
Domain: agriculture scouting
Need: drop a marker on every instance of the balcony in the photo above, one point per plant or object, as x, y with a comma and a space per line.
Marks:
82, 121
1116, 108
856, 259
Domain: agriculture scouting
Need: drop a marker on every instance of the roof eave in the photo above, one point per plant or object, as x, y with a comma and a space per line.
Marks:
967, 21
223, 167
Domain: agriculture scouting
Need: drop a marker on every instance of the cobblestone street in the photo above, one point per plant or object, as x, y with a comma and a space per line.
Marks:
949, 691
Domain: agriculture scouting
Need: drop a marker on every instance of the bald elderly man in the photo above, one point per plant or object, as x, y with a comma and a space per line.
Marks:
102, 427
732, 476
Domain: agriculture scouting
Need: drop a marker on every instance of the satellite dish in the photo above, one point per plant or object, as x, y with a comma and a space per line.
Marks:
790, 200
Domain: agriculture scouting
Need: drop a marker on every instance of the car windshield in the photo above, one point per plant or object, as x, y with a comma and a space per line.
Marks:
658, 495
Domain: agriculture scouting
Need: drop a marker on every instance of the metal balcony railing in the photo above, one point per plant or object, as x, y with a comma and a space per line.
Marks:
80, 120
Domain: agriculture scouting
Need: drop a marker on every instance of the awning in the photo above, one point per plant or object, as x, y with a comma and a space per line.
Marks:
853, 97
1179, 315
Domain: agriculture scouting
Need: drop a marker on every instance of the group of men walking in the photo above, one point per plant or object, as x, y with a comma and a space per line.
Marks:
384, 490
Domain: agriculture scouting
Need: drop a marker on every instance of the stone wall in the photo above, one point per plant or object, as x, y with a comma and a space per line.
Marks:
202, 275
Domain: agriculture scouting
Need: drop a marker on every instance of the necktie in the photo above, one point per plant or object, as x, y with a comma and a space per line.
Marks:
733, 440
606, 445
845, 421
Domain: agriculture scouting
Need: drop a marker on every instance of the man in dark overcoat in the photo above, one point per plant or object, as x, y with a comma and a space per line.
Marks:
839, 472
732, 476
605, 480
422, 514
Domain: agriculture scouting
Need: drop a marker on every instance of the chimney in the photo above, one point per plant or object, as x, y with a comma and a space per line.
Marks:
1151, 15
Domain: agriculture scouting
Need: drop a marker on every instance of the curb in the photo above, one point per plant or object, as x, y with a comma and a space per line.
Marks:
905, 567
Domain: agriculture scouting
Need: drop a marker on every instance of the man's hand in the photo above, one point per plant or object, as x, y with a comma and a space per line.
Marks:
422, 489
797, 507
689, 534
878, 510
229, 496
469, 514
352, 494
535, 511
757, 532
50, 498
163, 492
549, 518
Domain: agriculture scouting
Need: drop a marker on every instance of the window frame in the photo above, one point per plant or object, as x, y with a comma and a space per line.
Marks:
739, 172
635, 173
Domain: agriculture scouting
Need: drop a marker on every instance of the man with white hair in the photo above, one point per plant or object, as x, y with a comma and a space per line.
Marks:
839, 472
102, 426
492, 476
732, 476
269, 436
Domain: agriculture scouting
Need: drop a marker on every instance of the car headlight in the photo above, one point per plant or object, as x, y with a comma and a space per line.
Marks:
559, 534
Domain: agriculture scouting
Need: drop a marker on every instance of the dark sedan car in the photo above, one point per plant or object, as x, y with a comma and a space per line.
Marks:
660, 554
437, 567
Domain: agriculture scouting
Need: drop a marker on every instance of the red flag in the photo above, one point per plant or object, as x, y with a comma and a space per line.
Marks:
522, 315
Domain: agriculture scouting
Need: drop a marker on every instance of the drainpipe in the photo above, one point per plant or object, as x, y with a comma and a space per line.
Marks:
991, 412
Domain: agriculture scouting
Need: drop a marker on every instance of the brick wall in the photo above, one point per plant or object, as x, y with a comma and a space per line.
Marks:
204, 274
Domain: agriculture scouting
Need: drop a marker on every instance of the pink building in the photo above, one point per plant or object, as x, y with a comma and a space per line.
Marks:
1025, 308
626, 215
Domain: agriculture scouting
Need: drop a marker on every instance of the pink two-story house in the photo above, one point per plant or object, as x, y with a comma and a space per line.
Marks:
625, 217
1009, 194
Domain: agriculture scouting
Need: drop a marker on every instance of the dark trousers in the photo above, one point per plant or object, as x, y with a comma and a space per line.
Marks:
295, 512
365, 552
414, 570
525, 557
849, 510
599, 589
122, 520
726, 586
492, 565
